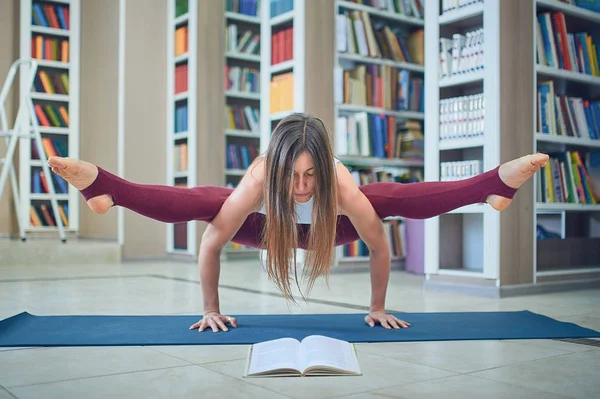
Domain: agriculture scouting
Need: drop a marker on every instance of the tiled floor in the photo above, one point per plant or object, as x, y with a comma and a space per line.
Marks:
495, 369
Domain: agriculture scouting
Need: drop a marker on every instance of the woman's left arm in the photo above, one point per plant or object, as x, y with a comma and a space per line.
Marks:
357, 207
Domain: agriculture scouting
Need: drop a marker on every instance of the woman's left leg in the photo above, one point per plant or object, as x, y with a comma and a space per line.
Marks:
423, 200
428, 199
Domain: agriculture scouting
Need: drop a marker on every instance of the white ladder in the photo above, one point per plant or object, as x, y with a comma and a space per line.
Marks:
26, 127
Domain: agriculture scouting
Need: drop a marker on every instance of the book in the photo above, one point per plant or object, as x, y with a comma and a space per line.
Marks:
314, 355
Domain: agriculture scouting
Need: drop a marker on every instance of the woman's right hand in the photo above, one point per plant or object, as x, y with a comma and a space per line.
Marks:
214, 320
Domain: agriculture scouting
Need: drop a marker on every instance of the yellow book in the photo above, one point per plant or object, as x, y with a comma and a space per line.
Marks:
46, 82
52, 116
64, 51
39, 46
549, 185
63, 215
64, 78
64, 113
34, 217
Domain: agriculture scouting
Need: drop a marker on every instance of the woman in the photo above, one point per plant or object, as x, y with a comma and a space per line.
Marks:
297, 195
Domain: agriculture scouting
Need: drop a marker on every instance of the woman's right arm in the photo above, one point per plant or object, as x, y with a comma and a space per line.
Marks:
244, 200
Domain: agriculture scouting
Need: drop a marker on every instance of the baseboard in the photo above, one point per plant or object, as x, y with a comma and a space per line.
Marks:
549, 287
161, 258
508, 291
51, 251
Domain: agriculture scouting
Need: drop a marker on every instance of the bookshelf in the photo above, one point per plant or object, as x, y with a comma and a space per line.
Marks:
282, 63
50, 33
181, 145
538, 243
242, 96
567, 127
379, 103
471, 129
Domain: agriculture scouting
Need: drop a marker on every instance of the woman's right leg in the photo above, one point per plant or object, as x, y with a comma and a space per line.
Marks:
164, 203
168, 204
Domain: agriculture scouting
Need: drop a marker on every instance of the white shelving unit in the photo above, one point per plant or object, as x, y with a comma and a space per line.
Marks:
401, 23
466, 241
475, 248
59, 22
573, 254
181, 239
271, 24
241, 52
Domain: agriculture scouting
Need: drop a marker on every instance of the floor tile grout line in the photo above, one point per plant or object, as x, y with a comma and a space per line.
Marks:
245, 380
519, 386
20, 349
524, 362
409, 361
169, 355
461, 375
486, 369
402, 385
2, 388
100, 376
74, 278
194, 363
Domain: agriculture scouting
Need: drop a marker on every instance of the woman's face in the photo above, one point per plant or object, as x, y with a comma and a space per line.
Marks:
304, 178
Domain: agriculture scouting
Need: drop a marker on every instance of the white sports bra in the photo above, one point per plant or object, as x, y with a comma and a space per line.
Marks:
303, 209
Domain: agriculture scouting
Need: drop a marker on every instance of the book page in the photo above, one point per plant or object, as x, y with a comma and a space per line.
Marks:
318, 350
272, 355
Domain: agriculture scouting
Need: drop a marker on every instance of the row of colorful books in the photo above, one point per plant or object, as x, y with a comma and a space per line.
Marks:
39, 183
245, 7
52, 147
380, 136
559, 48
356, 34
51, 82
242, 118
49, 48
561, 115
41, 215
395, 233
50, 15
240, 156
570, 177
242, 79
380, 86
50, 115
247, 42
409, 8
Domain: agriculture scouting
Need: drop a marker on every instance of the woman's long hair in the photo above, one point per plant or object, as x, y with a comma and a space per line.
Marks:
295, 134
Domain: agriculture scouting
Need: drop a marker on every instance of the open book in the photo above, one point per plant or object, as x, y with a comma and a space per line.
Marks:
314, 355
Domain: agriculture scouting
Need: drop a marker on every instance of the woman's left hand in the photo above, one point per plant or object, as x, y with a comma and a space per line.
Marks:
387, 321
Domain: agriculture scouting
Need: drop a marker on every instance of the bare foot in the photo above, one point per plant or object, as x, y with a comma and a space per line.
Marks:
81, 174
514, 173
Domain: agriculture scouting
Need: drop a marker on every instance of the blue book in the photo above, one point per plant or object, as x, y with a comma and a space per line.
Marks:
40, 16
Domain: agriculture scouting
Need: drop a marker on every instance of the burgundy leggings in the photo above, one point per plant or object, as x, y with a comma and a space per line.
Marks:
412, 200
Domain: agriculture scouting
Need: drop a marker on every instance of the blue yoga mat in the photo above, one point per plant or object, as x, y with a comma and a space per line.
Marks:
26, 329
